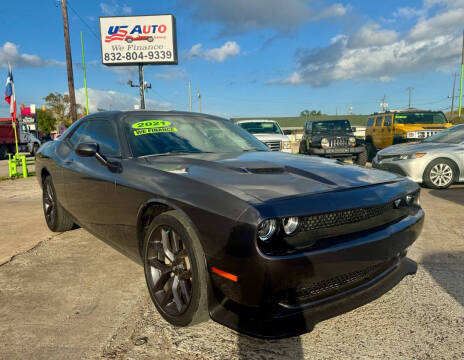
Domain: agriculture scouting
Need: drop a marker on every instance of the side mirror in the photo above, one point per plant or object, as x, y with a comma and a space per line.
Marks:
353, 129
87, 149
287, 132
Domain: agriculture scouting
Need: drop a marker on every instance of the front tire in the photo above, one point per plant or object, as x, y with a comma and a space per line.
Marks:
440, 174
57, 219
361, 158
175, 270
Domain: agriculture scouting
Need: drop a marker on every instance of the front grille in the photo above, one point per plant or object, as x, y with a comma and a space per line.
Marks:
338, 142
343, 281
343, 217
273, 145
425, 134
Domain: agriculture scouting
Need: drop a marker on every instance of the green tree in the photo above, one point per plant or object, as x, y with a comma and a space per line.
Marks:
59, 105
305, 113
46, 120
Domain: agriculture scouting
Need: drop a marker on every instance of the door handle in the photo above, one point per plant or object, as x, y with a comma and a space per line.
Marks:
68, 162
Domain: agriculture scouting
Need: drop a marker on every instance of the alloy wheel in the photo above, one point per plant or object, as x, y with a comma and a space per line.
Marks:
169, 275
441, 175
49, 203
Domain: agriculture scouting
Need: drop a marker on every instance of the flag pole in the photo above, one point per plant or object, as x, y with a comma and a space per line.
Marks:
85, 76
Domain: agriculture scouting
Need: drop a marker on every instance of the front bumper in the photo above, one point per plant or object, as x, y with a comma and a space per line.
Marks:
337, 152
413, 169
281, 314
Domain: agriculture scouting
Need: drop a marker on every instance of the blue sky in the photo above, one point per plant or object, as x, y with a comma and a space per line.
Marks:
249, 58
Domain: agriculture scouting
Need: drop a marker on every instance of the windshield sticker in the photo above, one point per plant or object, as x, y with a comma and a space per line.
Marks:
150, 124
401, 116
155, 130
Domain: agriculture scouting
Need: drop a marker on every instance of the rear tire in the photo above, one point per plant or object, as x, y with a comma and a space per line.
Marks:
361, 158
301, 149
440, 174
175, 270
57, 219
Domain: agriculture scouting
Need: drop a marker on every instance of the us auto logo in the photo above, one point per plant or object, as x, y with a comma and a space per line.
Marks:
137, 33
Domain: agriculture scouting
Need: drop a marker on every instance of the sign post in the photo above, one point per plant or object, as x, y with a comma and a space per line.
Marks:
138, 40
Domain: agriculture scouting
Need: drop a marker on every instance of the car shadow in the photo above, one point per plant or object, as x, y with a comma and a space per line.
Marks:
454, 194
289, 348
447, 269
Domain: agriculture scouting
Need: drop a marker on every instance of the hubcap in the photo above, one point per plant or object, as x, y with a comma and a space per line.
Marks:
49, 204
441, 175
169, 272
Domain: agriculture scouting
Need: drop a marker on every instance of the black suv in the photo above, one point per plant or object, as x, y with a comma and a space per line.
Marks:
333, 139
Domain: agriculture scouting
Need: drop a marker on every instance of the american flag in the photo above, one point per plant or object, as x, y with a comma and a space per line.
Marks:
120, 35
10, 93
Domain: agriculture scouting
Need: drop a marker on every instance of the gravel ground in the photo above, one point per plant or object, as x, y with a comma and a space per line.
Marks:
74, 297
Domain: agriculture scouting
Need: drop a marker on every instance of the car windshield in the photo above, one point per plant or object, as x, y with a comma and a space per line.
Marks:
155, 135
261, 127
420, 118
453, 135
331, 125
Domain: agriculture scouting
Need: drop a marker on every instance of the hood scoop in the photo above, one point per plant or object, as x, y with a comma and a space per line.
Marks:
263, 171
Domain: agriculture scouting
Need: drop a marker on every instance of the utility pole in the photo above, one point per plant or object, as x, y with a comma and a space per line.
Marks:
142, 85
410, 89
199, 98
72, 96
462, 73
452, 97
384, 104
190, 96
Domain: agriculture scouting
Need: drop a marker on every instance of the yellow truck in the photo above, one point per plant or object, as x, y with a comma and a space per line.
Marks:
394, 127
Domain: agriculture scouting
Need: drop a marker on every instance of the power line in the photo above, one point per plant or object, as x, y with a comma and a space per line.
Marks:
84, 22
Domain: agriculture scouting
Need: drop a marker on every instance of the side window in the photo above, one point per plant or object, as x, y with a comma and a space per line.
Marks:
78, 135
378, 121
370, 121
104, 133
388, 121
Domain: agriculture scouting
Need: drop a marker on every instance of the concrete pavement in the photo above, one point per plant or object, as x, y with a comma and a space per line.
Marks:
74, 297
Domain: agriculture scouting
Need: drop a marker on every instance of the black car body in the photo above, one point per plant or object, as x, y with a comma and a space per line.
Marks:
332, 139
354, 224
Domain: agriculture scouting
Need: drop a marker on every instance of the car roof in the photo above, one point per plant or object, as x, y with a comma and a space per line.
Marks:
255, 120
118, 114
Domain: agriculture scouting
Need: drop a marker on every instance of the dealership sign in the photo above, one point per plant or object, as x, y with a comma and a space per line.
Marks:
132, 40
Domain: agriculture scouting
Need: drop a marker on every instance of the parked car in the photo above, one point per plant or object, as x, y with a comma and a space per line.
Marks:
332, 139
264, 242
268, 132
436, 162
390, 128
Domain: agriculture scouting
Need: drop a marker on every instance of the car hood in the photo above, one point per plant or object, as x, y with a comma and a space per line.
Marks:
415, 148
266, 175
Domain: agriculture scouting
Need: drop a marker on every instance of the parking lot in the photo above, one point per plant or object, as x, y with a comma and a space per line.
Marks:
71, 296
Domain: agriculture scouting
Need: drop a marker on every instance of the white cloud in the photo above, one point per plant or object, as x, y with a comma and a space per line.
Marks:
173, 73
240, 16
114, 8
113, 100
434, 43
372, 35
9, 52
230, 48
409, 12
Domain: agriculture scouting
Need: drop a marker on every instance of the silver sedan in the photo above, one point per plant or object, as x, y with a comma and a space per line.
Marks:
436, 162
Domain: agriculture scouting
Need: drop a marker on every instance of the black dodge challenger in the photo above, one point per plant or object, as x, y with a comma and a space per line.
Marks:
265, 243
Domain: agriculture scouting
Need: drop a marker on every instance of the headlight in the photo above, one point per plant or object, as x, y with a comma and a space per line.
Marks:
286, 145
411, 156
324, 142
290, 225
266, 229
352, 140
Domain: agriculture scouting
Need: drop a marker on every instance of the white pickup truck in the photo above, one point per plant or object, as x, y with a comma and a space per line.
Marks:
268, 132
